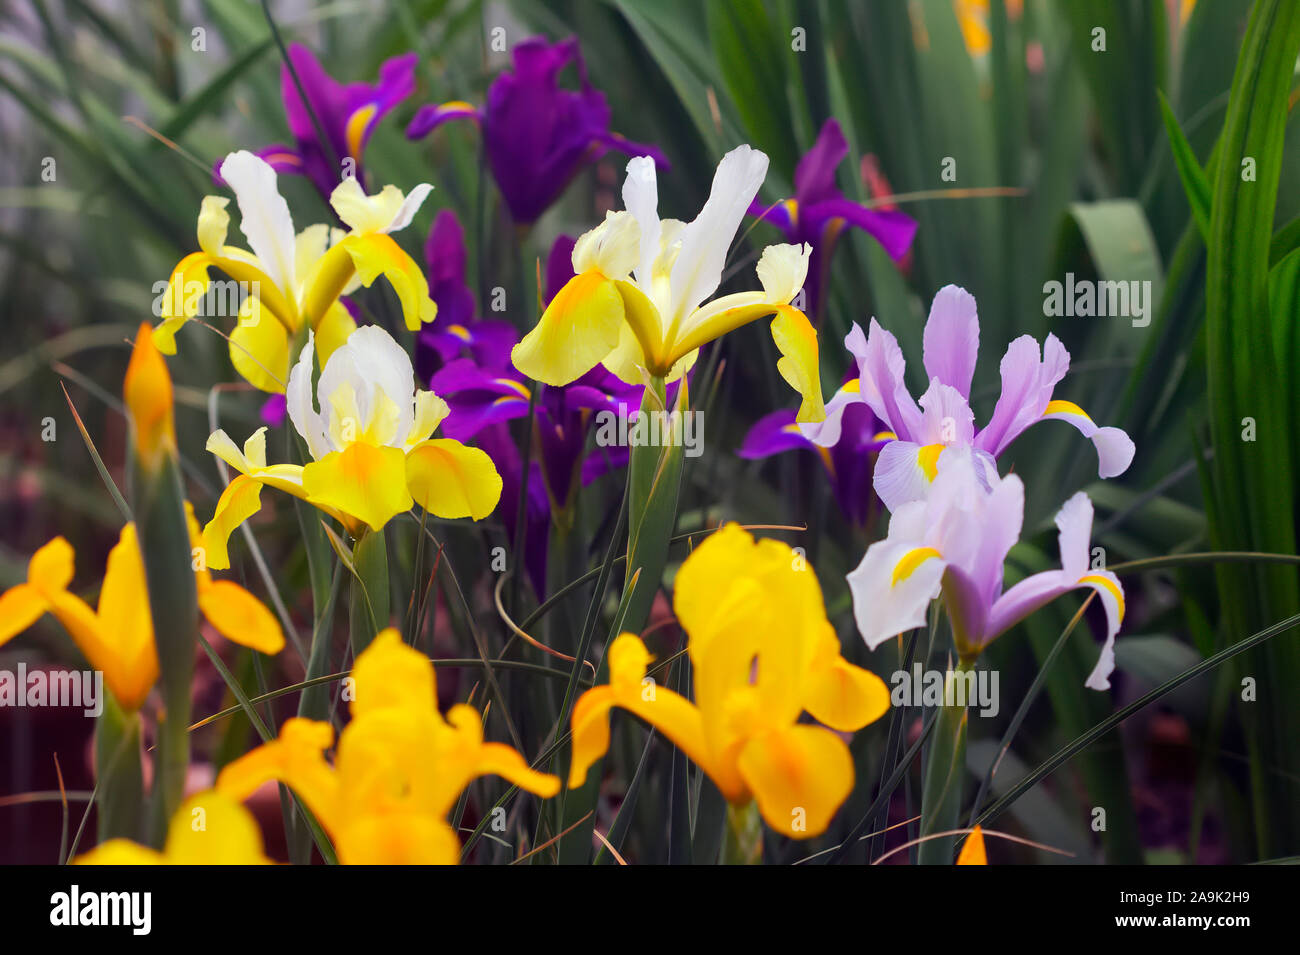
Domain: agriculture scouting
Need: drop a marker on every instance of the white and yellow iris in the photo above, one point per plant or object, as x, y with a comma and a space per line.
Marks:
638, 298
371, 440
290, 281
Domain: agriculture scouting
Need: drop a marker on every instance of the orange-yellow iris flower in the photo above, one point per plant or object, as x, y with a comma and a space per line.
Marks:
117, 638
399, 768
762, 654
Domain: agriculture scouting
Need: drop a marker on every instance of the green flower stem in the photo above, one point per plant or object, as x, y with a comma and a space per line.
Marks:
119, 780
369, 595
742, 840
654, 480
945, 771
158, 505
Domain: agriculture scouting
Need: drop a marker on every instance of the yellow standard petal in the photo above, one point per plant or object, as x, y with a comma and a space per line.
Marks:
295, 758
210, 828
391, 675
364, 481
120, 852
450, 480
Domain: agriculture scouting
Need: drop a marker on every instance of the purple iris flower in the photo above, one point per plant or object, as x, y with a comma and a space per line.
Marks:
481, 391
943, 419
848, 463
456, 332
818, 212
537, 134
484, 392
347, 115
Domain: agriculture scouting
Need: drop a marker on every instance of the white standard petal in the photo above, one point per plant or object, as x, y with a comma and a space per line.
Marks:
611, 248
409, 207
641, 198
705, 241
301, 405
371, 363
263, 216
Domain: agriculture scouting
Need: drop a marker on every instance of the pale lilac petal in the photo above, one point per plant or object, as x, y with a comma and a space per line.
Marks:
826, 433
884, 606
1111, 593
1002, 519
1035, 591
1074, 523
952, 337
1115, 449
899, 477
947, 418
1027, 383
883, 366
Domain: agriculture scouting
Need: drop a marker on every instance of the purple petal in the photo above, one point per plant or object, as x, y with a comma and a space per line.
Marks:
432, 115
273, 410
559, 265
773, 434
814, 177
892, 229
538, 135
882, 383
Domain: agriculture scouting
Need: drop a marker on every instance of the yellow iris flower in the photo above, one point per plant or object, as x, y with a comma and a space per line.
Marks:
294, 281
637, 299
209, 828
762, 654
372, 445
399, 768
117, 638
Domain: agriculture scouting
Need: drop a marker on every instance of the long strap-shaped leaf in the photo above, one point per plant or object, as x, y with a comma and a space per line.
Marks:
1251, 504
1064, 754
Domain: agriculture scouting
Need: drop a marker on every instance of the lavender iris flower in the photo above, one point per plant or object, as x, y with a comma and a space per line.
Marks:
537, 135
907, 466
456, 332
818, 212
484, 393
954, 543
